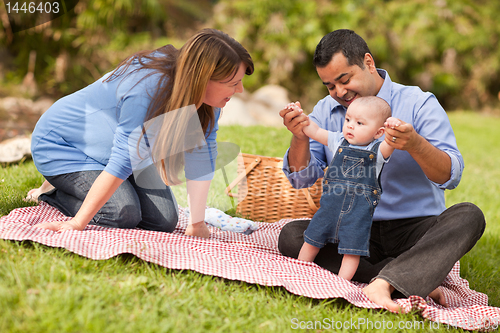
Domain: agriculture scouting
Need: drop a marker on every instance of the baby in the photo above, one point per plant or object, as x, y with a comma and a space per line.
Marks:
351, 188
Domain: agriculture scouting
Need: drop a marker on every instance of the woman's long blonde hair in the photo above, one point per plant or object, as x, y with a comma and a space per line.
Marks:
208, 55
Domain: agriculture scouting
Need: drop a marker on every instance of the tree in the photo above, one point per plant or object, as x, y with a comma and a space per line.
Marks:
447, 47
80, 46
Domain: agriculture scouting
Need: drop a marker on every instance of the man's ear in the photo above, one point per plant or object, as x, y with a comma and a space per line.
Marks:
379, 133
370, 63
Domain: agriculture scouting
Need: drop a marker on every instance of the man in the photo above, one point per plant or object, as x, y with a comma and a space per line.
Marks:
415, 240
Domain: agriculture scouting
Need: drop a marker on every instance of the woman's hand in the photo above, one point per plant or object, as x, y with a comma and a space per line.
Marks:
100, 192
197, 193
198, 229
60, 226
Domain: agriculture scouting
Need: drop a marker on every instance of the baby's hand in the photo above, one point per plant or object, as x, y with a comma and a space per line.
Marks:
294, 106
392, 122
310, 129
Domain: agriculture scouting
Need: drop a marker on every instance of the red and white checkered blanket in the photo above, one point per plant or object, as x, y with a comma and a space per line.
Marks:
251, 258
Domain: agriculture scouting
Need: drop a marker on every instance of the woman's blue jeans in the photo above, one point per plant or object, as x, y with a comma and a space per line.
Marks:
131, 206
414, 255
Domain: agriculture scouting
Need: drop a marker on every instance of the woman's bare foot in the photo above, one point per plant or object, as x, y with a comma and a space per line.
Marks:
438, 297
379, 292
33, 194
198, 229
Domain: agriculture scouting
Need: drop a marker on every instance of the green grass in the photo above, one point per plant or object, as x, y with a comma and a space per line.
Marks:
45, 289
476, 137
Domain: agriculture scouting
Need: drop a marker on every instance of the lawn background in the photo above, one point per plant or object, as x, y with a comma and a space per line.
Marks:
45, 289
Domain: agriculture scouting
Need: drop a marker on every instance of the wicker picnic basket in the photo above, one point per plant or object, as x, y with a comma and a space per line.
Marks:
267, 195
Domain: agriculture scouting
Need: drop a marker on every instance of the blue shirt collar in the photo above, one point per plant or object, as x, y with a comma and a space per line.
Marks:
385, 91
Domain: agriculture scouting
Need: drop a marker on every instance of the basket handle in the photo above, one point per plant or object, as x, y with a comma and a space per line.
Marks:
309, 199
249, 168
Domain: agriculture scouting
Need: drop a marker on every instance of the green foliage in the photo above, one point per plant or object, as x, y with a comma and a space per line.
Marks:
447, 47
79, 47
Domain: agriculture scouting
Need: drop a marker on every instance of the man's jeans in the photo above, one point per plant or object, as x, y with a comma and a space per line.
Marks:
130, 206
414, 255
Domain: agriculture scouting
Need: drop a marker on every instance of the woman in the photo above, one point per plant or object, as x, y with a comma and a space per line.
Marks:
82, 144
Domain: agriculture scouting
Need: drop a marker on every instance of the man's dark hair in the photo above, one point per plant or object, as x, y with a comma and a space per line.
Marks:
352, 46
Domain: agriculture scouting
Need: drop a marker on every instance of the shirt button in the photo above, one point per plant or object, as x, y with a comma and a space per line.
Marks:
375, 192
340, 150
371, 156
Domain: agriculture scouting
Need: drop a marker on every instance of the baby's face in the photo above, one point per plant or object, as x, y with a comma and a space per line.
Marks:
361, 125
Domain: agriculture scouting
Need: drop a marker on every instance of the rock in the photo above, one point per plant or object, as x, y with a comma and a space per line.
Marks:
260, 108
18, 116
13, 150
265, 104
236, 113
42, 104
16, 105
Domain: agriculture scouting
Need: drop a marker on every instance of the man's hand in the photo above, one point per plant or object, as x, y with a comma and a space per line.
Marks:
295, 120
401, 135
435, 163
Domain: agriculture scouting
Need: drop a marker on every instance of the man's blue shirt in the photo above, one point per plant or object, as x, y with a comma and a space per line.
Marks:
407, 192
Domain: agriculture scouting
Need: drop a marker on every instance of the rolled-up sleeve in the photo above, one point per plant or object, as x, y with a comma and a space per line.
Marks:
433, 124
457, 168
306, 177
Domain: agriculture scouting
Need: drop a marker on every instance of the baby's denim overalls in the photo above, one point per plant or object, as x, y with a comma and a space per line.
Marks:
351, 191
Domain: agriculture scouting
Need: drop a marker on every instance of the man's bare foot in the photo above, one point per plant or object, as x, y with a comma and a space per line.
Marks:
198, 229
438, 297
379, 292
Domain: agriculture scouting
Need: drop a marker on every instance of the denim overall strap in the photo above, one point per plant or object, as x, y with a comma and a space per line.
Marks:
373, 149
358, 165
